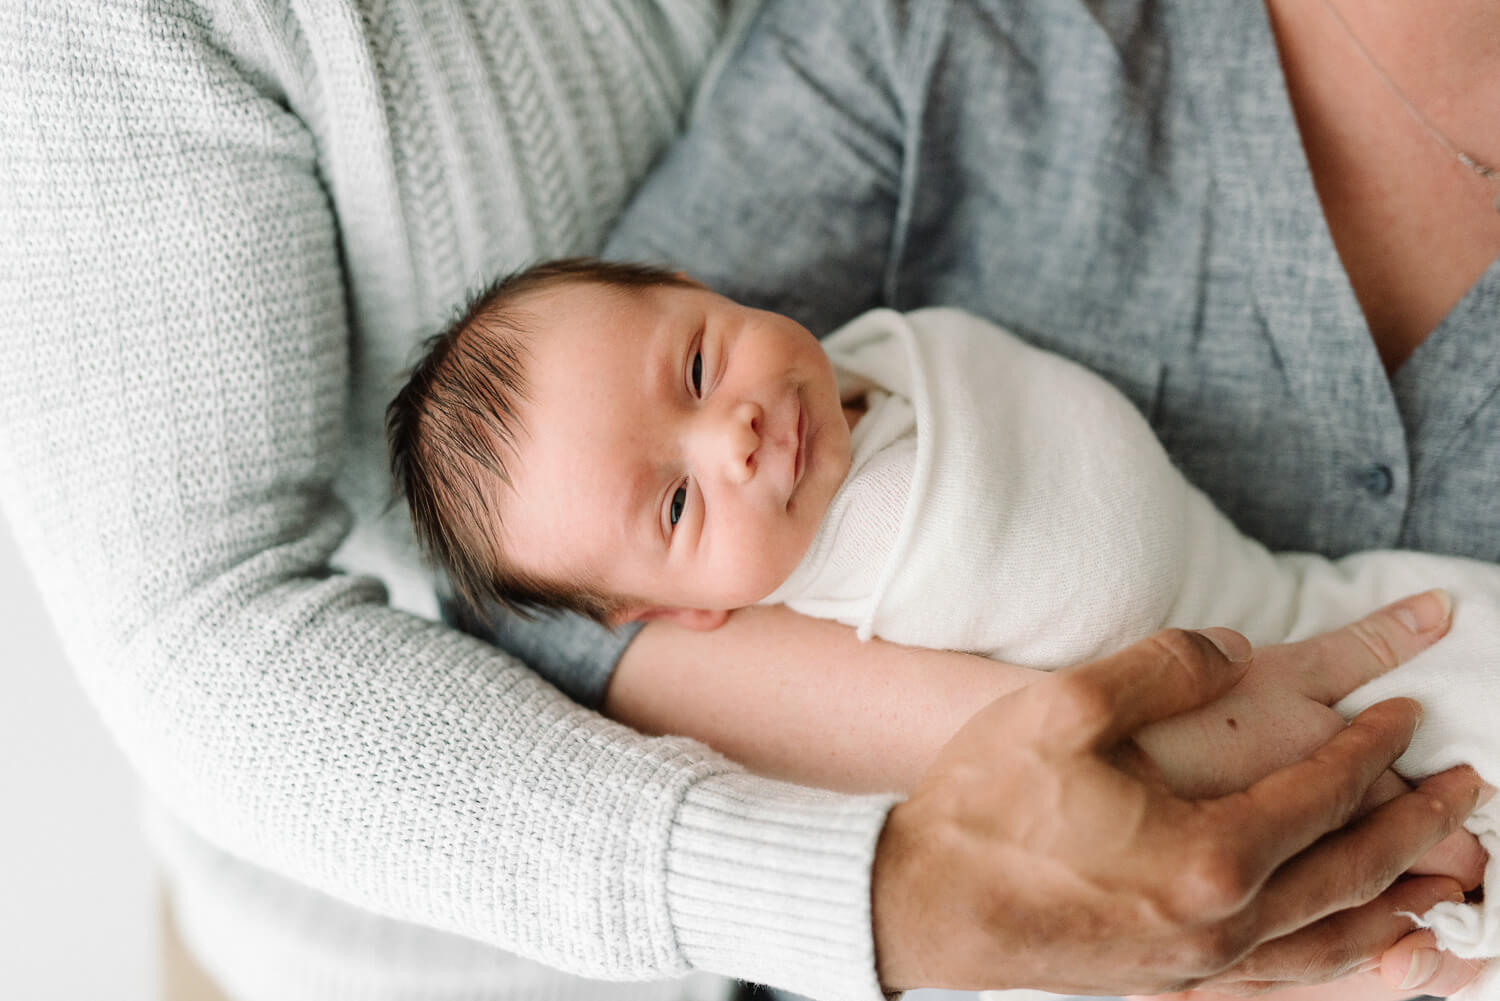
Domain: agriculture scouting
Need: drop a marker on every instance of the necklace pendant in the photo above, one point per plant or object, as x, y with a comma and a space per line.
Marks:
1484, 170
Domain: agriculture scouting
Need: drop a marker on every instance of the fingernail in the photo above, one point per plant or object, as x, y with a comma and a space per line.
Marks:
1424, 963
1486, 793
1235, 648
1420, 711
1426, 611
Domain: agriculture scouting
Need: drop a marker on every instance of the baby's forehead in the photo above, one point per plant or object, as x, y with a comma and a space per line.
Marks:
592, 333
587, 291
597, 365
564, 514
583, 403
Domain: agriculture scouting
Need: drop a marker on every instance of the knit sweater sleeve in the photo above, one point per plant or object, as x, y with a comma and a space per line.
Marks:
173, 382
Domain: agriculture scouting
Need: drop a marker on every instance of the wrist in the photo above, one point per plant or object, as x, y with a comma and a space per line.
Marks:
927, 927
897, 957
771, 883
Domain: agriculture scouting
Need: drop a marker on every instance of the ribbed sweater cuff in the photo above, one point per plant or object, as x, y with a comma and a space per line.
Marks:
770, 882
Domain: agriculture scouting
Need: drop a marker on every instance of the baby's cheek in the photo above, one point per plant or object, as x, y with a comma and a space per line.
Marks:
743, 569
774, 562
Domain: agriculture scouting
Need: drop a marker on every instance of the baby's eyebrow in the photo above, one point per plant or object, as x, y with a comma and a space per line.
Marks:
660, 359
658, 378
639, 515
638, 503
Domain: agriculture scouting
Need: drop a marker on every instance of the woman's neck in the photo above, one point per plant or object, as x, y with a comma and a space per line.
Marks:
1414, 228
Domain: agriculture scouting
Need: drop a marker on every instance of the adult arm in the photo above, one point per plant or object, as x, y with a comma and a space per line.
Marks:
1227, 885
173, 389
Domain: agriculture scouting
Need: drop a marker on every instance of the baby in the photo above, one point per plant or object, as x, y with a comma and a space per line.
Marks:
622, 442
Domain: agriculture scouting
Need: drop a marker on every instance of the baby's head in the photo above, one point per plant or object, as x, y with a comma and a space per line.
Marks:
618, 441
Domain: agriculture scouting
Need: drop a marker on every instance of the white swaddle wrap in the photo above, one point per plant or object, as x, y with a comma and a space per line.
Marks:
1043, 524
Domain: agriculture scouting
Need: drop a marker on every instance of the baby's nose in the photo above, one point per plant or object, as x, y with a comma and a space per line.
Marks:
737, 440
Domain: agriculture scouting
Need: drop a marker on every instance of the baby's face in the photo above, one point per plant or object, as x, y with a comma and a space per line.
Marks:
678, 448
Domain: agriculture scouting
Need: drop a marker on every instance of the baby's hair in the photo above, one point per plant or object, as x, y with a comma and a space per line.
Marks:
452, 427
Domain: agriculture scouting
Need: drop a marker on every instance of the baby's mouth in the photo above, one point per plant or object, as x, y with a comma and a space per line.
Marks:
799, 460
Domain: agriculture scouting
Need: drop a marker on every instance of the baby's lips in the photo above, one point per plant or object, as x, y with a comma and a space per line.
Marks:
799, 454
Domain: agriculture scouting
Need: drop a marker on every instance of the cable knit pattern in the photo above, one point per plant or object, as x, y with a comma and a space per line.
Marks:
223, 226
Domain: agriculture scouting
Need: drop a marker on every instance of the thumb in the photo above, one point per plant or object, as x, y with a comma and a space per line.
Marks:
1162, 675
1415, 963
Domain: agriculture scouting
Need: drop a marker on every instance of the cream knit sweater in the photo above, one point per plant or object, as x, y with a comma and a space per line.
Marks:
223, 226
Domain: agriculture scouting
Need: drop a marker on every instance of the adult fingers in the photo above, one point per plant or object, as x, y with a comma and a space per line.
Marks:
1416, 964
1342, 943
1459, 856
1386, 788
1162, 675
1352, 866
1411, 967
1338, 662
1365, 986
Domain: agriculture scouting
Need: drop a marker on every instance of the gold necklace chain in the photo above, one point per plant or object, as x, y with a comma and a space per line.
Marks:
1473, 163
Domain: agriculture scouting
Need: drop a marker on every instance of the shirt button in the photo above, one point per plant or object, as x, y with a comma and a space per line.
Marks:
1378, 480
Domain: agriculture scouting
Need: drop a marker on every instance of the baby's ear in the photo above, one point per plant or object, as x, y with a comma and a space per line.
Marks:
688, 618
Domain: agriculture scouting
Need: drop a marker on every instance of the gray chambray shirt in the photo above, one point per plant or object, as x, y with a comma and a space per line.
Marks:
1122, 183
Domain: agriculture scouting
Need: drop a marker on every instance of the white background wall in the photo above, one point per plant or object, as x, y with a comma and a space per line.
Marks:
78, 910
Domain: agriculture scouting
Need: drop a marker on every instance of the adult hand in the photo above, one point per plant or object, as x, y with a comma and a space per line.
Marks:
1043, 849
1281, 712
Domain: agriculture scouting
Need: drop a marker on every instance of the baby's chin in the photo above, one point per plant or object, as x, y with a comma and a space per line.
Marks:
795, 536
773, 573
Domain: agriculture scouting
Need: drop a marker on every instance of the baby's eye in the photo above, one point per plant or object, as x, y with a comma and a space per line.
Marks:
698, 373
679, 501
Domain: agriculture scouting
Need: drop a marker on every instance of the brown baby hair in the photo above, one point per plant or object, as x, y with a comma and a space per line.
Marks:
451, 429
